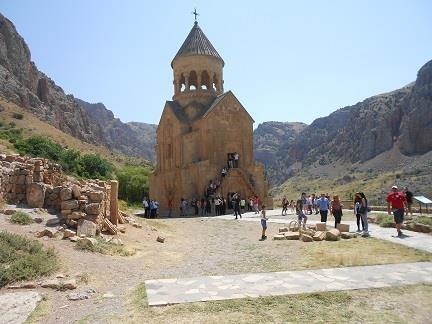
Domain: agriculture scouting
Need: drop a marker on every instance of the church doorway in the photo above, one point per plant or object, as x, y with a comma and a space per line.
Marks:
233, 160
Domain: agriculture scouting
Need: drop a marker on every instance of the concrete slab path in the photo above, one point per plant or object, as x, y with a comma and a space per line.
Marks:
172, 291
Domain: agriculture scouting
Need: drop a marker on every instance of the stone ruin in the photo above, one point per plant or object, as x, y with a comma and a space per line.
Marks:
90, 206
317, 232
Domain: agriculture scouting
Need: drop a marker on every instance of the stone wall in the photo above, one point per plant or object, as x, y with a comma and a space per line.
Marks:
40, 183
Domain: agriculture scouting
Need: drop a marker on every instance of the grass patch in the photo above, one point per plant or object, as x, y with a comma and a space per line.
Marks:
24, 259
18, 116
423, 220
42, 309
385, 220
106, 248
356, 252
21, 218
388, 305
158, 224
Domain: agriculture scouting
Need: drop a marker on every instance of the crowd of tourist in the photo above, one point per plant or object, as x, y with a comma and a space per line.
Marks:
325, 205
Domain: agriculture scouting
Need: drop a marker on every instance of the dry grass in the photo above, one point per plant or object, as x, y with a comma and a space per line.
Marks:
356, 252
387, 305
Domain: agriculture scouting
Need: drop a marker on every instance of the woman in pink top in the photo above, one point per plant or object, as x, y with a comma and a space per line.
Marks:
336, 209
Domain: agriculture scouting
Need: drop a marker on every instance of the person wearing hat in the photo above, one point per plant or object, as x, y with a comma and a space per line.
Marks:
396, 201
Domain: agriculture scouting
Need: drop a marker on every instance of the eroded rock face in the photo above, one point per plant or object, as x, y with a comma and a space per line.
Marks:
23, 84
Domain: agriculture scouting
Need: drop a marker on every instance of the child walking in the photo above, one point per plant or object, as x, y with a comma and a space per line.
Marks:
264, 219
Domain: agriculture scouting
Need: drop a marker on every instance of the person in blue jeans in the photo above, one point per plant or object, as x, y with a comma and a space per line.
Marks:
323, 204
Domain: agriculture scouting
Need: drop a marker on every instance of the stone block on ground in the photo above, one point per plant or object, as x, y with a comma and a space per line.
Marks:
343, 227
347, 235
109, 227
67, 233
49, 232
283, 229
306, 238
277, 237
69, 284
87, 242
53, 221
161, 239
52, 283
332, 235
35, 195
292, 235
319, 236
117, 241
86, 227
321, 227
15, 307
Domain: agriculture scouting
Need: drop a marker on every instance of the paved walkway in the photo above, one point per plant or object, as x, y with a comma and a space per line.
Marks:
412, 239
172, 291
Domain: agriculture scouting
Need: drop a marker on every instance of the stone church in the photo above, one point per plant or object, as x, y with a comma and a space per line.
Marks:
201, 129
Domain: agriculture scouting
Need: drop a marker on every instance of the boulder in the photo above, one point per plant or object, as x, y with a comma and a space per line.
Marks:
70, 204
35, 195
87, 241
69, 284
49, 232
38, 220
66, 194
277, 237
76, 215
92, 209
86, 227
347, 235
53, 284
343, 227
76, 191
332, 235
96, 196
161, 239
53, 221
321, 227
319, 236
137, 225
68, 233
292, 235
306, 238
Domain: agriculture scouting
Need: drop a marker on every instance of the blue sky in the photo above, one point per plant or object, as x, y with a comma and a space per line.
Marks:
284, 60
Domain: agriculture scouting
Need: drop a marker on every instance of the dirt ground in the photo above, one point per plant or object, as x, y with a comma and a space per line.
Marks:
193, 247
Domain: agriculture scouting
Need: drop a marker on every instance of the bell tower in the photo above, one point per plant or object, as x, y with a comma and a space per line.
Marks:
197, 69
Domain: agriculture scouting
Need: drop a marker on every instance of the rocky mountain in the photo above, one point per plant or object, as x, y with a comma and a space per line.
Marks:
135, 139
358, 133
23, 84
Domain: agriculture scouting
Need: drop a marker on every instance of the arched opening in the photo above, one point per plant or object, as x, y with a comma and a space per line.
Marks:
215, 82
193, 81
182, 83
205, 80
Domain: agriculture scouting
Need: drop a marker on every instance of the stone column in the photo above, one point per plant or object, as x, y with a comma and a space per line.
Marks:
187, 82
114, 202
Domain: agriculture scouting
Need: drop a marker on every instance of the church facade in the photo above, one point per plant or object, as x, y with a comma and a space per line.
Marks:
200, 132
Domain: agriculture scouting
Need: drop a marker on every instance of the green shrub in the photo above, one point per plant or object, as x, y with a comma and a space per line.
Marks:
424, 220
21, 218
384, 220
17, 115
24, 259
94, 166
72, 162
133, 183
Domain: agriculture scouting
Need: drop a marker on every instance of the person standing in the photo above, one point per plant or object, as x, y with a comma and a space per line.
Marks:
218, 203
409, 200
236, 160
357, 204
363, 210
146, 208
336, 210
284, 206
397, 201
323, 204
264, 220
256, 204
236, 202
301, 216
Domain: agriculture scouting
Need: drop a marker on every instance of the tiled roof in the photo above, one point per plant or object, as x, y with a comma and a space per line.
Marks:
197, 43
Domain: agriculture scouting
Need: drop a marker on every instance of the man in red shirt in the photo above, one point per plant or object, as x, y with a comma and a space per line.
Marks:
397, 201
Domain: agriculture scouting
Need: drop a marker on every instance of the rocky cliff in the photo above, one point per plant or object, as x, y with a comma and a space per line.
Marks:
135, 139
358, 133
23, 84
